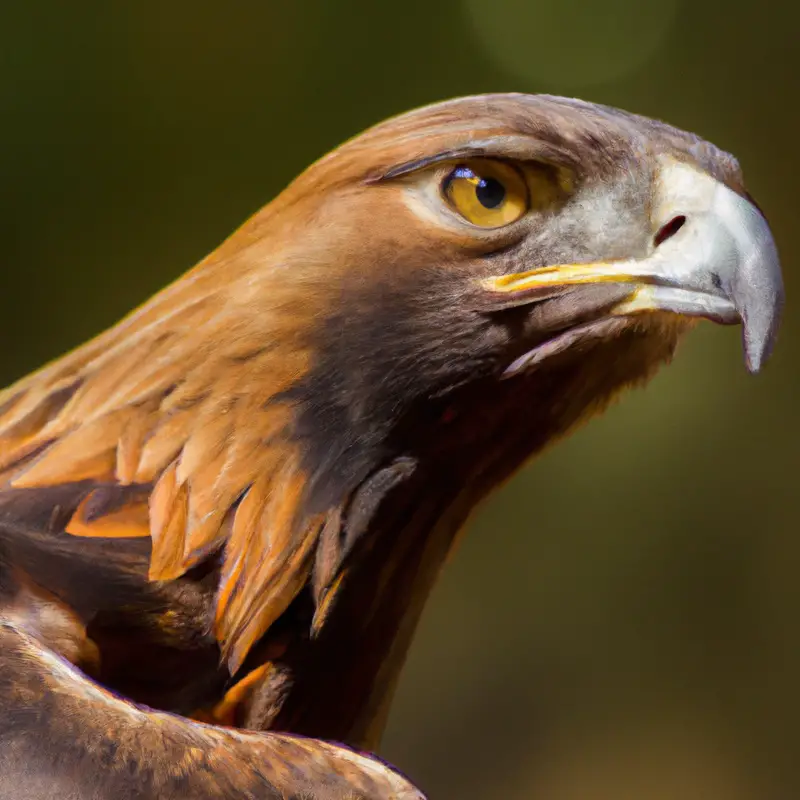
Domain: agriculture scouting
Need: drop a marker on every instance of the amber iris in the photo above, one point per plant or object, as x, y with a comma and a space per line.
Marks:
489, 194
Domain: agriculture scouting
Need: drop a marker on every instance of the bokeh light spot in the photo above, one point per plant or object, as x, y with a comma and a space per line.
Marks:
563, 44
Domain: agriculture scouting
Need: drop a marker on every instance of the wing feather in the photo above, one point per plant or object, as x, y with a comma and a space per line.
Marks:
55, 716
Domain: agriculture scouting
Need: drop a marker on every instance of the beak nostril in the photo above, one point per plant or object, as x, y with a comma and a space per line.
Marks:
670, 229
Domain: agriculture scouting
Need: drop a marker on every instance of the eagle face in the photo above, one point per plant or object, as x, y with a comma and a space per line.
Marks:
501, 266
418, 313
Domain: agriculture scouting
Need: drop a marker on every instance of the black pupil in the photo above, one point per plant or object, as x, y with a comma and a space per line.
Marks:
490, 192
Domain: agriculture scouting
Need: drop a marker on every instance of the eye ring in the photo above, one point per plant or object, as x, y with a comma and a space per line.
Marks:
488, 194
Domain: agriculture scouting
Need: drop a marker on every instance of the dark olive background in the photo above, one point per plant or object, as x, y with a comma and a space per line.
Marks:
620, 621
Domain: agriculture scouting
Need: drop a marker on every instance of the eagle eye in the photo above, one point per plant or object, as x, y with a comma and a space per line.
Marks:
488, 194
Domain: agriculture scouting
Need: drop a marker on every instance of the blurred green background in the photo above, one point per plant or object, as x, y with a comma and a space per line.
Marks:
620, 623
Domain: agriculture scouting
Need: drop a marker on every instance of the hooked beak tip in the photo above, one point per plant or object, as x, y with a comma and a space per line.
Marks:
759, 333
756, 288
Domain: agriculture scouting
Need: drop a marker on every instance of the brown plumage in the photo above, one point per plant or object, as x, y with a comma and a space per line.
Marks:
268, 461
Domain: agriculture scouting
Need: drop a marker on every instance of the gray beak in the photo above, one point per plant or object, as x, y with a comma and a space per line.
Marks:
713, 256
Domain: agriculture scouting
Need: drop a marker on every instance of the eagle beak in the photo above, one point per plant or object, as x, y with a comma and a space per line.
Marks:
712, 256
